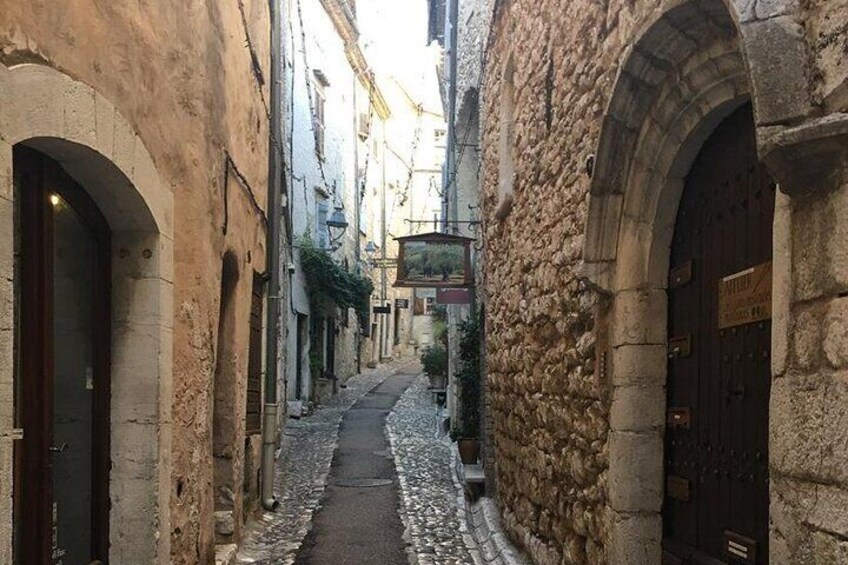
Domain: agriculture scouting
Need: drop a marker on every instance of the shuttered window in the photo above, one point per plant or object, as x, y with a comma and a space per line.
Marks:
253, 416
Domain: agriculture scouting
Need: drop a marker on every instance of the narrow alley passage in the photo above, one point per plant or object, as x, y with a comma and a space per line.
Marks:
367, 479
358, 520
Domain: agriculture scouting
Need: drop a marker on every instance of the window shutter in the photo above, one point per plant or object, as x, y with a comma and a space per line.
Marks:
253, 409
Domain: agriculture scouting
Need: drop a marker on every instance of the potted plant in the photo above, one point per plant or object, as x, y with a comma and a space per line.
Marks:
467, 430
434, 359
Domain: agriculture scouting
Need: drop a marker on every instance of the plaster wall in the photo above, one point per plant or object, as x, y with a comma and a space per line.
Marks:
331, 179
579, 453
180, 78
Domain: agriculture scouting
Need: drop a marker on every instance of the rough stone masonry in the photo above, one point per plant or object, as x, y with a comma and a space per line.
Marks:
547, 319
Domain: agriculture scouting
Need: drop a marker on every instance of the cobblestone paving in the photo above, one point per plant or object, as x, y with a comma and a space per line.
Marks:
301, 475
430, 497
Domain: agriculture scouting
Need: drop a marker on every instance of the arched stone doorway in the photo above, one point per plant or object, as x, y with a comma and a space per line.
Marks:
80, 131
224, 395
690, 68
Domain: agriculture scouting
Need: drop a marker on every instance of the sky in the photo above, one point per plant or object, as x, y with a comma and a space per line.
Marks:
394, 36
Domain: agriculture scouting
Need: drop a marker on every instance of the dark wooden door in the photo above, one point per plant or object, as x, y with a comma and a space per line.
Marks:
301, 342
63, 378
716, 444
330, 360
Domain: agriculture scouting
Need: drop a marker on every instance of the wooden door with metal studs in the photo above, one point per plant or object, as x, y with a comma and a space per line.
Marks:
716, 502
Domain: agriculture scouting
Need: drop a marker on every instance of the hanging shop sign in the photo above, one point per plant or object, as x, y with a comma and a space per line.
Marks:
434, 260
387, 309
745, 297
453, 296
401, 303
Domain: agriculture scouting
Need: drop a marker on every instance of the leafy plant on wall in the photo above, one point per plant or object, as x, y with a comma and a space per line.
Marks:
468, 377
327, 281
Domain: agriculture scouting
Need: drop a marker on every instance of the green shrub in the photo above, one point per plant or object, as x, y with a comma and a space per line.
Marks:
468, 377
434, 359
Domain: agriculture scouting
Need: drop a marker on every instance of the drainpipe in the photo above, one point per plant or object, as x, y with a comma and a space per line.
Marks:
357, 220
449, 174
383, 321
275, 180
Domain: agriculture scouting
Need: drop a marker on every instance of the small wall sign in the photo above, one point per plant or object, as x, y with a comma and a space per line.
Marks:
453, 296
745, 297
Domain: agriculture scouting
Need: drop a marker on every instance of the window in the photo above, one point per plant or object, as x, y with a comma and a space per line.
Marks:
506, 142
322, 235
318, 99
436, 21
364, 125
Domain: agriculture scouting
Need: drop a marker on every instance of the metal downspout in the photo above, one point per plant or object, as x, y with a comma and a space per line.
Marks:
275, 180
449, 175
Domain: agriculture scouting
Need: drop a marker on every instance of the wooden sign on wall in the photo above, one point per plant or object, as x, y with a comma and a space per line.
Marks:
745, 297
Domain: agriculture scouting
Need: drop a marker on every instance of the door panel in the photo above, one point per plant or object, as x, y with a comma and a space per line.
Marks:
724, 227
33, 381
74, 270
62, 463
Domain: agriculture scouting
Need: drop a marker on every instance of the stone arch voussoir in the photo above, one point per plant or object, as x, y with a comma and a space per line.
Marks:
687, 71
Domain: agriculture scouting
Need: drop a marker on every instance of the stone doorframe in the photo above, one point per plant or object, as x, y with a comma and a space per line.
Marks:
77, 126
689, 67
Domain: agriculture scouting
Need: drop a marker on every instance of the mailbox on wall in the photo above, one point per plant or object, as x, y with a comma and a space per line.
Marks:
434, 260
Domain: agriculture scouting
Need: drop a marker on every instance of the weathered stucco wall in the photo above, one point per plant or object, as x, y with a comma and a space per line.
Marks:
181, 74
551, 412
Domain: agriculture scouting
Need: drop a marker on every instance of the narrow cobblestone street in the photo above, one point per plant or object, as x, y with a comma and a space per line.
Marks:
427, 505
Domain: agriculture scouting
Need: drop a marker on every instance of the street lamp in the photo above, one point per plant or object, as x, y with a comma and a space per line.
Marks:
339, 222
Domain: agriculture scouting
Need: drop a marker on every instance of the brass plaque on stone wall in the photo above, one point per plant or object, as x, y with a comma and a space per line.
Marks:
745, 297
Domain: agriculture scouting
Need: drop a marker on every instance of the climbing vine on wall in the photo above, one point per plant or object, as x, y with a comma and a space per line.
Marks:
327, 281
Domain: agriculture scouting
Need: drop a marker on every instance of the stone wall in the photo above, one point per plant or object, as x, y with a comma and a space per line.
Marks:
552, 411
550, 420
182, 77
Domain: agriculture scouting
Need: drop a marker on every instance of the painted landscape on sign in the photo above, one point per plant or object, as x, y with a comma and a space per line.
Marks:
439, 263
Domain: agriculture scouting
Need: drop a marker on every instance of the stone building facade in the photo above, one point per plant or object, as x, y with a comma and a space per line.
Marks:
145, 126
334, 100
598, 120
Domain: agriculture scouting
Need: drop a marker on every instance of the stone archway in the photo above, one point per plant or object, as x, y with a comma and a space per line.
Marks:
79, 128
690, 68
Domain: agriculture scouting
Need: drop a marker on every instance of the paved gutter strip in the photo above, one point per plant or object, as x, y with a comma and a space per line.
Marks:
301, 476
481, 519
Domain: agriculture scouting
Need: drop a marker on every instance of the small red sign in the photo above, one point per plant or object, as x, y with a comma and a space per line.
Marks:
453, 296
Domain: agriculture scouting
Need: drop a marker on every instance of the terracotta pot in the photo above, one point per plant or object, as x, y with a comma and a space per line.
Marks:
469, 450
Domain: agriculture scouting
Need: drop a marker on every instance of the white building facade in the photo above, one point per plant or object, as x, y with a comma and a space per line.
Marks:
333, 101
